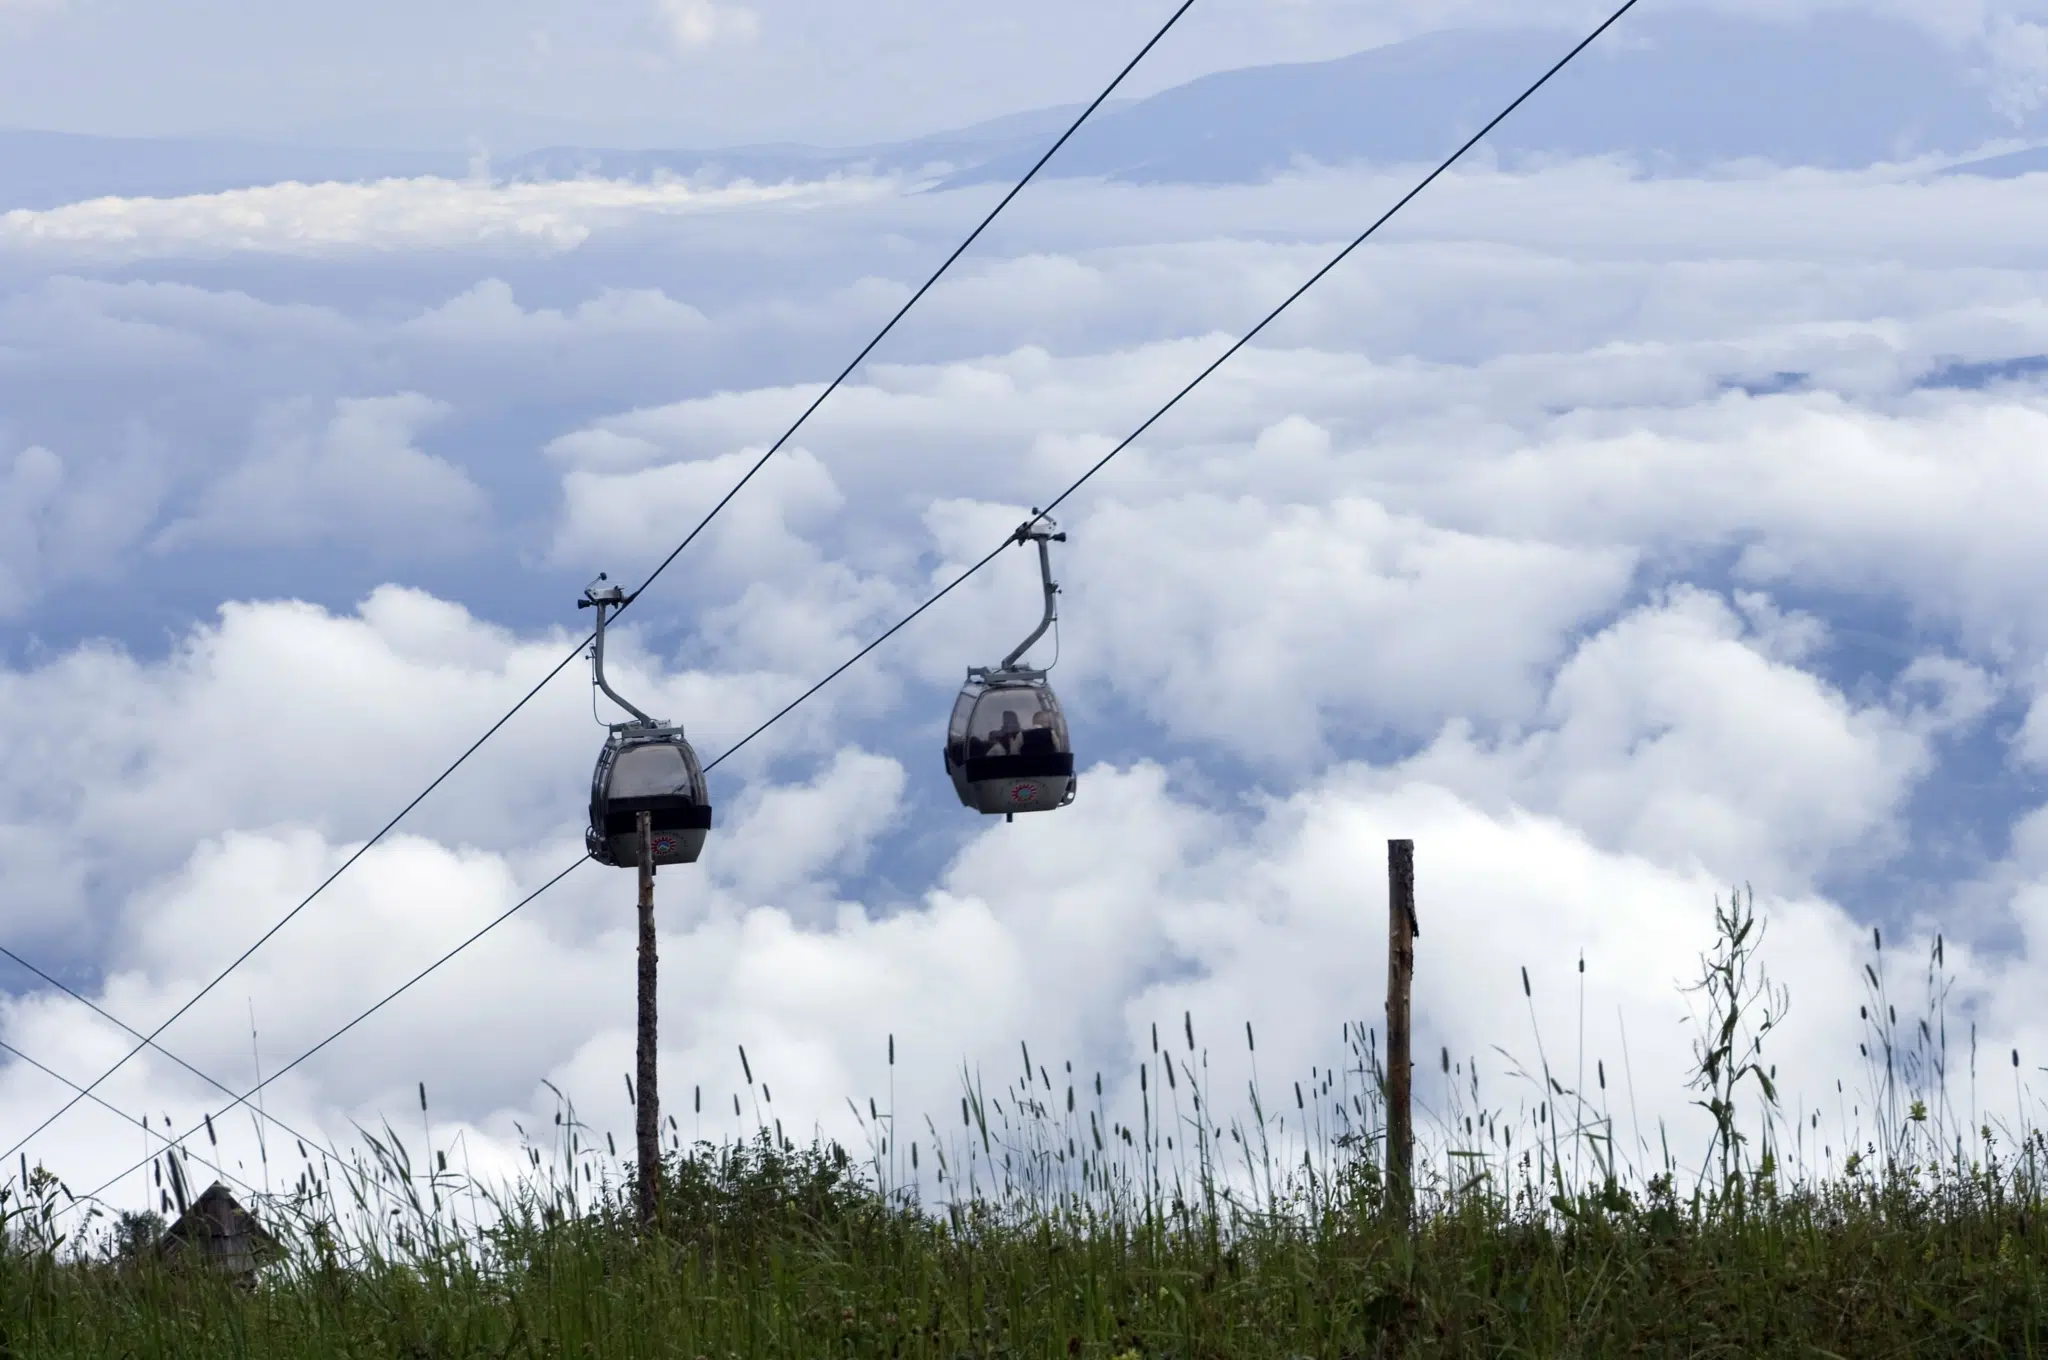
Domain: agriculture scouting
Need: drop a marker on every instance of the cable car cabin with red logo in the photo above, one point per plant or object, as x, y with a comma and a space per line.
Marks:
1007, 748
651, 770
645, 766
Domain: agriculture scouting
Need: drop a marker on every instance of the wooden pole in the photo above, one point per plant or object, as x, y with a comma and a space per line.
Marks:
647, 1105
1401, 933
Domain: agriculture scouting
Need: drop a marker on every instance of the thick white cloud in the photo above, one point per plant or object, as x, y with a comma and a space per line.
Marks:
1075, 935
1676, 735
391, 214
357, 475
1492, 510
1252, 625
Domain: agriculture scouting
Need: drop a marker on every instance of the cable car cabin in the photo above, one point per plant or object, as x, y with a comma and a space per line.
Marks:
1006, 746
645, 766
651, 770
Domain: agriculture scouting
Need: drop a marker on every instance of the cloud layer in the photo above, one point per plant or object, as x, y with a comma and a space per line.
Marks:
1617, 540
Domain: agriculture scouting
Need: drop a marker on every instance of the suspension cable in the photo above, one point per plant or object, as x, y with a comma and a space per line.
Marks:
1202, 376
171, 1145
386, 1000
1270, 317
1086, 113
129, 1029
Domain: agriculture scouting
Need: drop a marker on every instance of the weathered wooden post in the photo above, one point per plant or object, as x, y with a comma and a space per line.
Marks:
647, 1105
1401, 932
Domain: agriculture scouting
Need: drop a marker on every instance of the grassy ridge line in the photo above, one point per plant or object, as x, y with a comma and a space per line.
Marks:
769, 1251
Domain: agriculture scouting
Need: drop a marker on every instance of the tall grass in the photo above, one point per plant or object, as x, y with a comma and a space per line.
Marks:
1042, 1222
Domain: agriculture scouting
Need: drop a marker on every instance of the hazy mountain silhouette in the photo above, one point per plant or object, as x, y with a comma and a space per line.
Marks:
1673, 94
1683, 93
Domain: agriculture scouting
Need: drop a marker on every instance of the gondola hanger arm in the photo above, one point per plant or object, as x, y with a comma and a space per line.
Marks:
1029, 532
614, 599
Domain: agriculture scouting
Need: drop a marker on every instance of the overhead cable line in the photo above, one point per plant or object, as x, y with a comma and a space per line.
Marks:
1039, 514
865, 350
284, 920
171, 1144
1175, 400
904, 310
386, 1000
129, 1029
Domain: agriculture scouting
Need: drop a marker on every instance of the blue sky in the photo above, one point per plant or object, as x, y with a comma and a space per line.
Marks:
1653, 508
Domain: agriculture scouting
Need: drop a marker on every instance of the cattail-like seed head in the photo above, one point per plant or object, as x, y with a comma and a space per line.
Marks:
1187, 1019
423, 1097
1525, 980
745, 1066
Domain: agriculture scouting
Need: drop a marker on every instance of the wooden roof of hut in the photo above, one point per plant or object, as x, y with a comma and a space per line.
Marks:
221, 1232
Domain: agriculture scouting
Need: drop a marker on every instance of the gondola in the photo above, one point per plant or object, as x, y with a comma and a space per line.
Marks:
1007, 746
645, 766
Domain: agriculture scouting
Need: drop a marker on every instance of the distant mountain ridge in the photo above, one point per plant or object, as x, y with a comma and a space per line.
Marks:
1673, 94
1683, 93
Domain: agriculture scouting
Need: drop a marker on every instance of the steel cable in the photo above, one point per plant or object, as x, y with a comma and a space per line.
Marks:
386, 1000
1194, 382
1271, 316
865, 350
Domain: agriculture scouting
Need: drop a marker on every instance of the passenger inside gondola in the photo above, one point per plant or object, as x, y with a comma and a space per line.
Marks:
1039, 740
1003, 741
